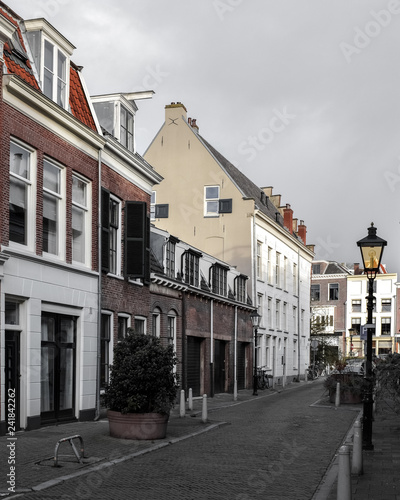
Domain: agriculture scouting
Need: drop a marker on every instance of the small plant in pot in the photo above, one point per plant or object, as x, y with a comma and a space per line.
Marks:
142, 389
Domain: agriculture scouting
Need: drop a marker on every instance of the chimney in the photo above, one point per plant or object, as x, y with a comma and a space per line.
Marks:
175, 111
194, 125
302, 231
294, 230
357, 268
288, 218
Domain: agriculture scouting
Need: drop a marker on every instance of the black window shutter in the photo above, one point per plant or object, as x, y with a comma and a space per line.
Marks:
137, 240
162, 211
225, 206
105, 230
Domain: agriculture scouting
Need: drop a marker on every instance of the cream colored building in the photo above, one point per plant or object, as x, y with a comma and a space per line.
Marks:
209, 203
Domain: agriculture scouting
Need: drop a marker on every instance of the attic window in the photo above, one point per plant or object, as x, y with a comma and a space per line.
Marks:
54, 74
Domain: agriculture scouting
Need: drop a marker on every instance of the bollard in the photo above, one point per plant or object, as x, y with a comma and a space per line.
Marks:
235, 391
182, 410
344, 480
204, 410
190, 399
337, 398
357, 457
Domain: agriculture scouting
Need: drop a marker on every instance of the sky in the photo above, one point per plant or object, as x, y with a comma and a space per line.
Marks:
301, 95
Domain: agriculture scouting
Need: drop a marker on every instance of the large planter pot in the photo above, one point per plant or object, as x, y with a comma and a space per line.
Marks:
137, 425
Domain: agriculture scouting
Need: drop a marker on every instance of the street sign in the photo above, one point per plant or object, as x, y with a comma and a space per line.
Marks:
364, 330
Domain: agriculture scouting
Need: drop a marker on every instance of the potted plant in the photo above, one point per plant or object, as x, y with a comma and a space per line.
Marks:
142, 388
352, 384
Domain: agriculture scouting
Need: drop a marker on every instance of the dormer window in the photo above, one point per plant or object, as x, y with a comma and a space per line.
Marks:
126, 133
51, 54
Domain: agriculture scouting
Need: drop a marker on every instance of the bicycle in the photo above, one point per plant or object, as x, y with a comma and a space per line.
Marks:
312, 373
262, 379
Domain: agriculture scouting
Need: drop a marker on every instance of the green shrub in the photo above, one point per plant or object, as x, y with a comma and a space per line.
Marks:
142, 379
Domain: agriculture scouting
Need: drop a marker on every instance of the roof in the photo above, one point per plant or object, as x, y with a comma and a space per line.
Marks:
17, 63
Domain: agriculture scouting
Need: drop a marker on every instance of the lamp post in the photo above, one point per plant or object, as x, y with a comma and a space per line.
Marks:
371, 252
255, 319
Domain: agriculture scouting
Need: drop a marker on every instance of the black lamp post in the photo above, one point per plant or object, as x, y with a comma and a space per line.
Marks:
371, 251
255, 319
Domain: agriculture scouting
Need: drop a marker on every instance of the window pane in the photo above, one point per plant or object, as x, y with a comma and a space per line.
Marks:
212, 192
50, 224
18, 203
51, 177
11, 313
212, 207
19, 161
78, 191
48, 55
78, 234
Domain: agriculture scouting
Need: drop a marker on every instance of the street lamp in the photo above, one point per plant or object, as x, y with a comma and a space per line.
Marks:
371, 251
255, 319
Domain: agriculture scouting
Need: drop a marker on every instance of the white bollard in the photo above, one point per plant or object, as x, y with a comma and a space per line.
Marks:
357, 457
190, 399
204, 409
182, 409
337, 398
235, 391
344, 479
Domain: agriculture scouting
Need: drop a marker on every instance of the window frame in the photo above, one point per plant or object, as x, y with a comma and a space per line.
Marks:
211, 199
219, 279
126, 319
315, 292
87, 212
54, 72
332, 287
192, 268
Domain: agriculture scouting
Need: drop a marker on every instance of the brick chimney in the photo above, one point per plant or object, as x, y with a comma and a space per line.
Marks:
288, 218
357, 269
193, 124
302, 231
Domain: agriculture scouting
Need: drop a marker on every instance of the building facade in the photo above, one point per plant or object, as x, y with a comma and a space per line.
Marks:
216, 208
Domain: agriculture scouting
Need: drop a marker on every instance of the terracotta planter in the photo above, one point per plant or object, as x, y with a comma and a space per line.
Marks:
137, 425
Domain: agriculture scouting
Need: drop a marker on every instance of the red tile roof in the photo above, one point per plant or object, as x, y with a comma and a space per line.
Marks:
18, 64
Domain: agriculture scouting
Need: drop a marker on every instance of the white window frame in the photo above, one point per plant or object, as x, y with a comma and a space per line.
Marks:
156, 323
110, 341
278, 269
129, 144
171, 325
153, 205
55, 74
259, 263
127, 320
141, 320
208, 212
116, 232
87, 211
269, 264
30, 183
61, 210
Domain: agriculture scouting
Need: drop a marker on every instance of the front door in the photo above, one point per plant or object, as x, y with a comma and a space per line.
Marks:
12, 361
58, 368
219, 366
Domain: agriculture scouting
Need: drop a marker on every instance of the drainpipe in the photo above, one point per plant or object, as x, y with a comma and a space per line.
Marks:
235, 358
97, 414
298, 314
212, 347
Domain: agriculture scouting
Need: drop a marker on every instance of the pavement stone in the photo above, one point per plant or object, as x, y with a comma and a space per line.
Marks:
34, 451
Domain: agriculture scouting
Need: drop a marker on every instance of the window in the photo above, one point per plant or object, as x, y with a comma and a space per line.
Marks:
80, 220
260, 307
110, 233
285, 267
211, 201
51, 207
295, 356
295, 279
356, 305
284, 316
315, 292
126, 134
268, 351
114, 235
385, 326
259, 260
140, 325
192, 268
241, 288
137, 240
170, 258
302, 321
153, 205
269, 270
124, 321
269, 312
278, 314
171, 329
386, 305
316, 268
356, 325
219, 275
295, 319
55, 74
21, 203
278, 269
105, 336
333, 291
156, 323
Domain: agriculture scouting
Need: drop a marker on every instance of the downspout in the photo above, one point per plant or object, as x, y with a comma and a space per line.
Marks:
298, 315
184, 346
212, 347
97, 414
235, 357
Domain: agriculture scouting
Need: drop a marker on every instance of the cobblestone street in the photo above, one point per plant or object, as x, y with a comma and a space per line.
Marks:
275, 446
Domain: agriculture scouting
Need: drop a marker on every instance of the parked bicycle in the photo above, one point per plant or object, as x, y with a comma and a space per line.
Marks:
312, 373
263, 379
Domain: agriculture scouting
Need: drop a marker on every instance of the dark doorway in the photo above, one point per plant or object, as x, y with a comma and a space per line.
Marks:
12, 363
193, 369
58, 368
219, 366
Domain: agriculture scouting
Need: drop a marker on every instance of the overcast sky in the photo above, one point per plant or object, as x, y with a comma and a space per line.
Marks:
301, 95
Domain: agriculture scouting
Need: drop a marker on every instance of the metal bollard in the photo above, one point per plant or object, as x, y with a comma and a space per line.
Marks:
337, 398
182, 409
344, 480
190, 399
357, 457
204, 409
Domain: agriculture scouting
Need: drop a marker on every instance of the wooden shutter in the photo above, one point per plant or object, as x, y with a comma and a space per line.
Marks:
105, 230
225, 206
137, 240
162, 211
